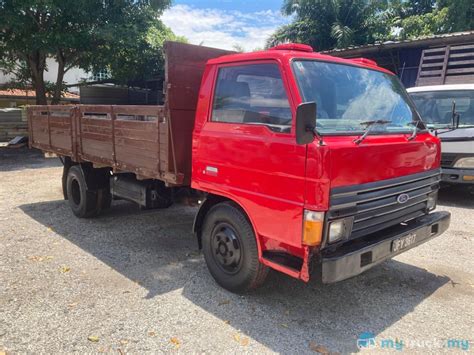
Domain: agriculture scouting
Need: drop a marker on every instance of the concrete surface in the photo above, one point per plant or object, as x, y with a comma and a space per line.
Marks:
133, 282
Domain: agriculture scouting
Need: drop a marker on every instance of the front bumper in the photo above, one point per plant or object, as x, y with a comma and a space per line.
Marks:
354, 258
456, 176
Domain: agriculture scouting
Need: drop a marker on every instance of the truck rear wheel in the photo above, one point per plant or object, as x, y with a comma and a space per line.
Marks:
83, 202
230, 249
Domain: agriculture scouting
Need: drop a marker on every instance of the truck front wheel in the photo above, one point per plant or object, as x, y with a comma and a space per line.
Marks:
82, 201
230, 249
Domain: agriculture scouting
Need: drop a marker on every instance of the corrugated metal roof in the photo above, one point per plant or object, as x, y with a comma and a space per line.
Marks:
441, 39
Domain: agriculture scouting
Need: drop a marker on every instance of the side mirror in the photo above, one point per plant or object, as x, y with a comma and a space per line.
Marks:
305, 122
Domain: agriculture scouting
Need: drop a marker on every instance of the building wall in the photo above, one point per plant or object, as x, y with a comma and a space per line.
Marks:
72, 76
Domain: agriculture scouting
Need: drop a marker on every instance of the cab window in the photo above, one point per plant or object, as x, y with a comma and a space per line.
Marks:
252, 94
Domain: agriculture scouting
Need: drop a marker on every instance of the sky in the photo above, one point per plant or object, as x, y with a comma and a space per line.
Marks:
225, 23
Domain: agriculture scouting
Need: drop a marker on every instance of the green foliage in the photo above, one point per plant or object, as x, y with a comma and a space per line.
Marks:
123, 36
460, 15
434, 22
131, 51
327, 24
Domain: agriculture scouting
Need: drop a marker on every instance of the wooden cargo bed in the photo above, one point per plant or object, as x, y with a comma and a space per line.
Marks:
126, 138
154, 142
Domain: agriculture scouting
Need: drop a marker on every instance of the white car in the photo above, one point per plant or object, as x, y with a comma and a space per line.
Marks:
448, 111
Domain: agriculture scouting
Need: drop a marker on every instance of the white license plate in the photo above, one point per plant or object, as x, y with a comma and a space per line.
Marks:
403, 242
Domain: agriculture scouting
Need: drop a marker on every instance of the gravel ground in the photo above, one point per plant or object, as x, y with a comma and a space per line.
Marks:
133, 281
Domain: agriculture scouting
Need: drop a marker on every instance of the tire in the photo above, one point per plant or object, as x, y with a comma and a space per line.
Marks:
230, 249
83, 202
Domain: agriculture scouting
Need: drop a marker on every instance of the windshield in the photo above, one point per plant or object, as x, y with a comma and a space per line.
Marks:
436, 107
347, 96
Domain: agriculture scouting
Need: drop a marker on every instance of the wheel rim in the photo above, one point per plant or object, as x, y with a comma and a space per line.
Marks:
226, 248
75, 192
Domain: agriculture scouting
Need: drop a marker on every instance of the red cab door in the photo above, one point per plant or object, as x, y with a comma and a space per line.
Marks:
247, 150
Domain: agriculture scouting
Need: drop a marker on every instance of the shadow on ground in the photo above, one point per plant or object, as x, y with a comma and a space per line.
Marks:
12, 159
157, 249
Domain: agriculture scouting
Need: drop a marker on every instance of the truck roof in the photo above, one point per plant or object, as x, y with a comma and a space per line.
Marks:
451, 87
290, 51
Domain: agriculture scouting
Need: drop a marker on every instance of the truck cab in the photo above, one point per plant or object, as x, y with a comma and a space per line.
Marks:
448, 111
327, 158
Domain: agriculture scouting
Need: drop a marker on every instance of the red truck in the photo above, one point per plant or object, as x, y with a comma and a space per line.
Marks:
301, 162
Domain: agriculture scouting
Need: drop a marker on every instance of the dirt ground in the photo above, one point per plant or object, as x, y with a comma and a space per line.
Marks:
133, 281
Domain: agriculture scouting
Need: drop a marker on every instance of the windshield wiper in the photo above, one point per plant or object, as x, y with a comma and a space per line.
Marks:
368, 128
455, 116
415, 130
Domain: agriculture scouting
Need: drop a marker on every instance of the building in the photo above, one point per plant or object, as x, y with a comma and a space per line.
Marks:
17, 98
10, 98
71, 77
403, 57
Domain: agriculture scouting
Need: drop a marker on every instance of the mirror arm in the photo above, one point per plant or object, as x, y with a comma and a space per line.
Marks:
318, 136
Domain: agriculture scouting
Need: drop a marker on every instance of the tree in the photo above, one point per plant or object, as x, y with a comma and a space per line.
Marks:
460, 14
430, 17
415, 26
118, 35
326, 24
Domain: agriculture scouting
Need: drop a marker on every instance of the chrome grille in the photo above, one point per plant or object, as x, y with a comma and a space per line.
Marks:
375, 205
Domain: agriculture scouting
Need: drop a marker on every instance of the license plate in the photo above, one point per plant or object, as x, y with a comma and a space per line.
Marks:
403, 242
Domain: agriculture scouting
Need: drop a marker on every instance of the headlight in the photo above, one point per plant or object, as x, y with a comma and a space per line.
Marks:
465, 163
431, 203
339, 229
336, 231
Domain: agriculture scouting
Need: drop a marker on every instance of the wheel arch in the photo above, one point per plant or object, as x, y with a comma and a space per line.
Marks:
210, 201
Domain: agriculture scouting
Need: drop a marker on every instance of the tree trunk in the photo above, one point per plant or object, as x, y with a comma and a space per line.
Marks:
40, 89
37, 64
59, 79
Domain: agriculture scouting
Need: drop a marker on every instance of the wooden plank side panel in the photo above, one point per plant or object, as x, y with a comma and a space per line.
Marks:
143, 148
51, 128
96, 122
140, 161
136, 145
137, 125
39, 126
93, 148
147, 135
139, 110
61, 133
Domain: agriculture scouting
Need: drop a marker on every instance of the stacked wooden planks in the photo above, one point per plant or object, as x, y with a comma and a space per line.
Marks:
13, 122
447, 65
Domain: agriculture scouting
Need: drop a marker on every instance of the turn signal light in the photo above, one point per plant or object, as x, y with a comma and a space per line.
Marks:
313, 228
